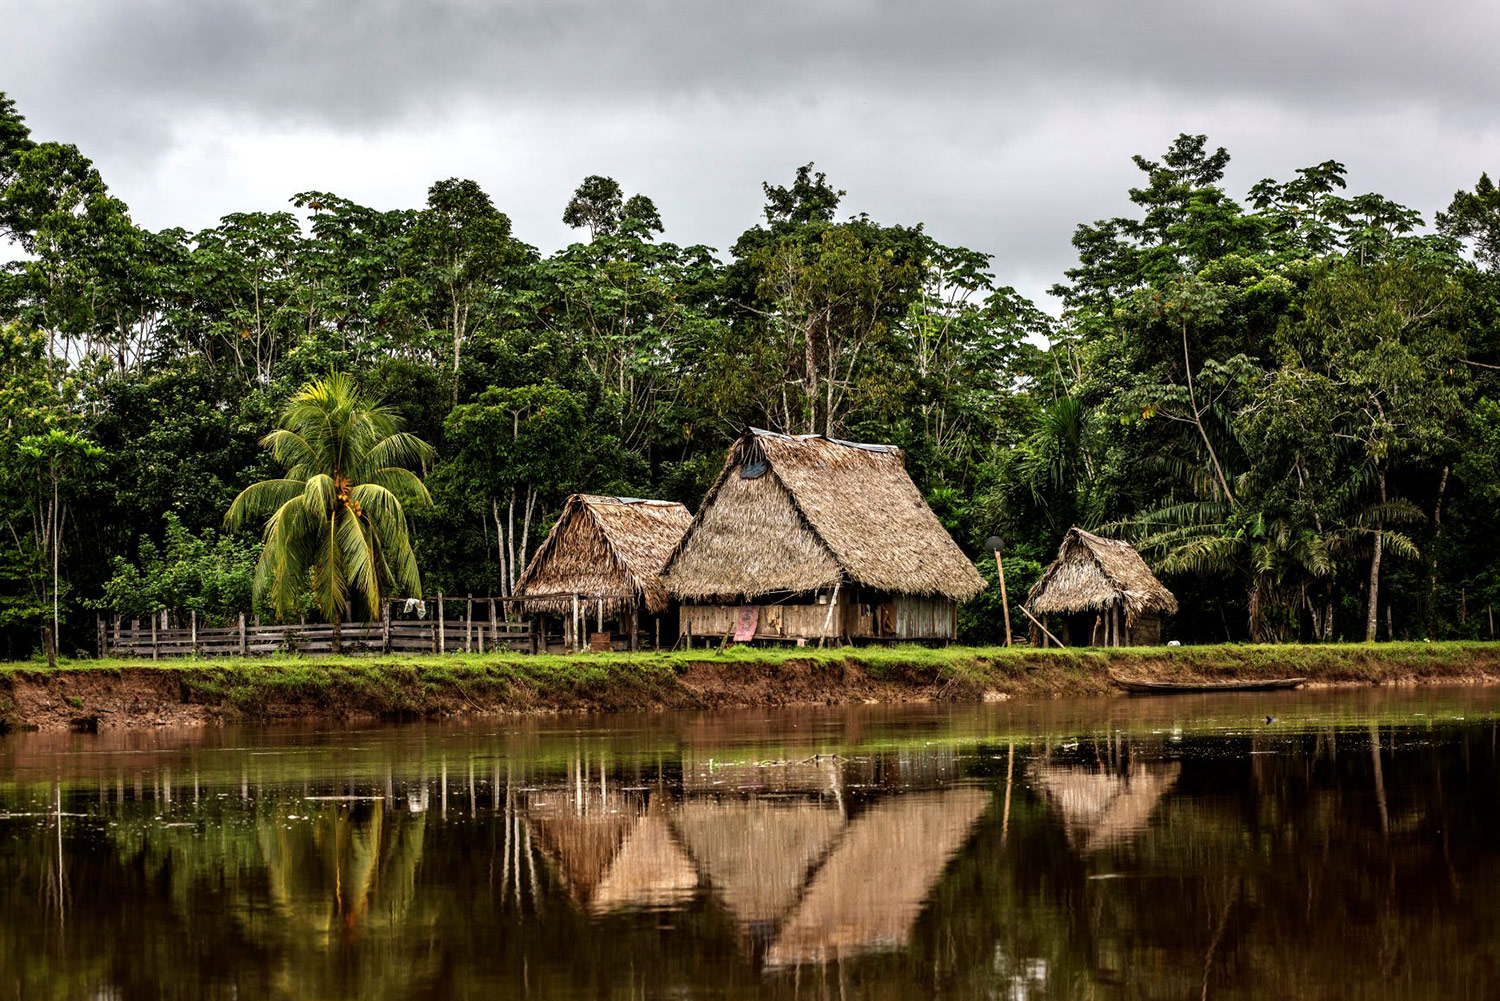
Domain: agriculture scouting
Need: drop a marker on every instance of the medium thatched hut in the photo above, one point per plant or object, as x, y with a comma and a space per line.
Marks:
1103, 593
808, 537
602, 563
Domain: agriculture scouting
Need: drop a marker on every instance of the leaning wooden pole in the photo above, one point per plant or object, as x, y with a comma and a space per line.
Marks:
1038, 622
1004, 601
833, 603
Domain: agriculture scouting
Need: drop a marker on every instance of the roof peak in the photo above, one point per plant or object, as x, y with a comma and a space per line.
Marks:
611, 499
866, 446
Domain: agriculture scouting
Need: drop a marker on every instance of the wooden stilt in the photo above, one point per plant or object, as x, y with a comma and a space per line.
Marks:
577, 621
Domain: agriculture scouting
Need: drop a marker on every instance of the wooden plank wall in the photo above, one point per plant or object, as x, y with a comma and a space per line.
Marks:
913, 618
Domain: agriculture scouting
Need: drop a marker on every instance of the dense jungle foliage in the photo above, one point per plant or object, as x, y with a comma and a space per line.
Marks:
1288, 398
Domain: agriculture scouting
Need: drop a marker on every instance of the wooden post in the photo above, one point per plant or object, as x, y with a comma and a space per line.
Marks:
468, 624
244, 644
385, 626
492, 621
1004, 601
116, 647
99, 632
657, 645
600, 621
442, 630
573, 640
153, 638
193, 627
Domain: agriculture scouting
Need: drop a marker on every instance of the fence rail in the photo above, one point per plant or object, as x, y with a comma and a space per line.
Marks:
439, 633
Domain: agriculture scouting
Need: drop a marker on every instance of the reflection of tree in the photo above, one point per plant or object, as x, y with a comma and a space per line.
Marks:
314, 889
1263, 871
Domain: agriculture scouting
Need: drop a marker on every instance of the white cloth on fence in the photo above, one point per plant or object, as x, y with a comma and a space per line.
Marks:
416, 605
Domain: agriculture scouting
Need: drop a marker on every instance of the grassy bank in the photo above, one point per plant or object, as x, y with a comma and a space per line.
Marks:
112, 693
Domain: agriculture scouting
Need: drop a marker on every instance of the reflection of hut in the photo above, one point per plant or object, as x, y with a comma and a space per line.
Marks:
868, 893
611, 853
755, 854
1100, 809
610, 552
581, 839
811, 537
1103, 592
649, 870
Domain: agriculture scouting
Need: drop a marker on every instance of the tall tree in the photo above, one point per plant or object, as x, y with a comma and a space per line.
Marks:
466, 244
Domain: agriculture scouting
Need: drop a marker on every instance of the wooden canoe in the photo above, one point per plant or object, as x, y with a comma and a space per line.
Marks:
1179, 687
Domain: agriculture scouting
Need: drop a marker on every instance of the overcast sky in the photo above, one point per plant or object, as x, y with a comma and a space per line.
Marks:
1000, 125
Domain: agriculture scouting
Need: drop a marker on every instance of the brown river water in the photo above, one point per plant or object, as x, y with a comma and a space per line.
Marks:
1171, 847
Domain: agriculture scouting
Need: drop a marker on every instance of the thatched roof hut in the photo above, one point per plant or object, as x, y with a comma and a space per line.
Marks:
1094, 574
612, 548
806, 512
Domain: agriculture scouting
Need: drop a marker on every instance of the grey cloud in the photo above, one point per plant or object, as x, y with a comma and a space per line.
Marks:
1000, 125
347, 64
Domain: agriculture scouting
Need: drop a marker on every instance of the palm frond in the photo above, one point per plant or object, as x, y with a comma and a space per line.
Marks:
259, 499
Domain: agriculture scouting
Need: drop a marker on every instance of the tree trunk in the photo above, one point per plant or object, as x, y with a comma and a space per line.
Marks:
1432, 566
56, 546
1372, 611
1255, 617
1213, 457
500, 547
338, 635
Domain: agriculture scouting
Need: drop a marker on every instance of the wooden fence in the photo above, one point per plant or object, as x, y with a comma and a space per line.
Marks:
438, 633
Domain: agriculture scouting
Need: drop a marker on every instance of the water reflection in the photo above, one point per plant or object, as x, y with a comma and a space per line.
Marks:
1165, 848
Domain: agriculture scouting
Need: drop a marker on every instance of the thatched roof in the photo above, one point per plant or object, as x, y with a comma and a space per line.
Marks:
605, 547
806, 512
1092, 573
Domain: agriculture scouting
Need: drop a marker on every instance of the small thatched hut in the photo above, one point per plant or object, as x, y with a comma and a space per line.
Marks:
608, 552
807, 537
1103, 593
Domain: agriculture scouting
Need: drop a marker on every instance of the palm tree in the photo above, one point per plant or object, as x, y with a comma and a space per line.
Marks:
1278, 554
336, 522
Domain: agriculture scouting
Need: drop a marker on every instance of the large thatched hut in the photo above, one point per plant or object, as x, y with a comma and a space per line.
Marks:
813, 538
1099, 592
601, 565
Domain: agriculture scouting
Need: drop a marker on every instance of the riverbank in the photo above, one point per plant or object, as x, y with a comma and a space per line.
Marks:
110, 694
